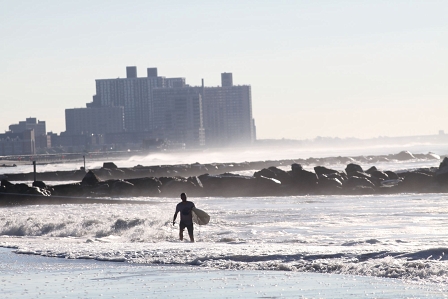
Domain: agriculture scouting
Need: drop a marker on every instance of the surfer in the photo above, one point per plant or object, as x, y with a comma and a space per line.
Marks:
186, 217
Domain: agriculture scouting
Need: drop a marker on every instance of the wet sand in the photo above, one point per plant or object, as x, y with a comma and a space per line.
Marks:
27, 276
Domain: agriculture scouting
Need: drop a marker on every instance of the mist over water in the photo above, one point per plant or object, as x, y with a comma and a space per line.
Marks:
281, 152
238, 155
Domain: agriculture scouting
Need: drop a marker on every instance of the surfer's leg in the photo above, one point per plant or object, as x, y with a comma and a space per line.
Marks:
181, 231
190, 232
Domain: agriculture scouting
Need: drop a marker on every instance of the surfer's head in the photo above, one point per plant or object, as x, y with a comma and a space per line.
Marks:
183, 196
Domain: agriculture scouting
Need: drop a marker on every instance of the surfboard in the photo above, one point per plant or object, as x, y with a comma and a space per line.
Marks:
200, 217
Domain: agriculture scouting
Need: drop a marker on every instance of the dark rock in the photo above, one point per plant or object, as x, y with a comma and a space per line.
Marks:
415, 182
296, 168
121, 187
376, 181
354, 181
391, 175
340, 176
109, 165
303, 180
390, 183
379, 175
196, 181
39, 184
371, 169
266, 187
329, 185
352, 167
236, 185
103, 173
360, 174
147, 186
319, 170
90, 179
174, 186
21, 188
8, 187
6, 183
441, 175
265, 172
444, 164
68, 189
429, 171
102, 189
38, 191
280, 175
442, 172
274, 173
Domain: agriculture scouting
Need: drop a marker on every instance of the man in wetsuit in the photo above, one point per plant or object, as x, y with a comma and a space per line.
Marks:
186, 217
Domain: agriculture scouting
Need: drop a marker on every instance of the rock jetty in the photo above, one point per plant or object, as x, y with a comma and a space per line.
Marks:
270, 178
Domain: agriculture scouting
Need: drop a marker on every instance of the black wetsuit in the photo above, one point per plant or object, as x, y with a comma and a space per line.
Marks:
186, 217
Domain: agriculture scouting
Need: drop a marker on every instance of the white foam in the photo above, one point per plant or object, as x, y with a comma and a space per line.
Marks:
401, 236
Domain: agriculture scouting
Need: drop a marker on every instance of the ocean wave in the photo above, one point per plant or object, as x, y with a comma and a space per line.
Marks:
428, 265
384, 236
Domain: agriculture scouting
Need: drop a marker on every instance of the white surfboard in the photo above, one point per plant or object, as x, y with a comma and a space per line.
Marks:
200, 217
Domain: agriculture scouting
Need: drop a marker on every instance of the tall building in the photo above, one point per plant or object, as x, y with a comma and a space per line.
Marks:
228, 113
134, 94
178, 115
167, 108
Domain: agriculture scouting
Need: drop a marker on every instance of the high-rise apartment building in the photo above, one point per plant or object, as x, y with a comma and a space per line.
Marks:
228, 113
134, 94
167, 108
178, 115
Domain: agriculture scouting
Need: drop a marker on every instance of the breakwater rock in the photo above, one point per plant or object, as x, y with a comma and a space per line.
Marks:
112, 171
267, 181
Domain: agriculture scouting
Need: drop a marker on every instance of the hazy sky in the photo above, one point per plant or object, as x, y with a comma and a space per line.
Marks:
317, 68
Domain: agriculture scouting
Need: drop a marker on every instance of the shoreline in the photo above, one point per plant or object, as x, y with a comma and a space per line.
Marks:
28, 275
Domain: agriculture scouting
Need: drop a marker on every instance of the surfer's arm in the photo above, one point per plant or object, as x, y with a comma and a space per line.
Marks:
174, 217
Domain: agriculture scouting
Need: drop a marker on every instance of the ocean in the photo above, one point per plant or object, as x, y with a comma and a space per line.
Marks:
374, 246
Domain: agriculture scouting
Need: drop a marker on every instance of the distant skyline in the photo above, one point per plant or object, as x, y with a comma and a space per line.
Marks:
343, 69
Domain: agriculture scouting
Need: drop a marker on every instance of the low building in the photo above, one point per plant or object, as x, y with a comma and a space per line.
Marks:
99, 120
23, 143
42, 141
